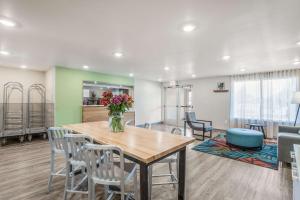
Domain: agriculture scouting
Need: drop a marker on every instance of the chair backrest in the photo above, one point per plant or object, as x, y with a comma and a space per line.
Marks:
147, 125
73, 146
56, 138
127, 123
190, 117
100, 164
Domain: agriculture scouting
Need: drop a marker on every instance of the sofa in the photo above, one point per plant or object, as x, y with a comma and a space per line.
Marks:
287, 136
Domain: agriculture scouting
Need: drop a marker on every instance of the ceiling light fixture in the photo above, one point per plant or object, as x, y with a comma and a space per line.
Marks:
159, 80
298, 43
131, 74
23, 66
118, 54
85, 67
226, 57
193, 75
7, 22
4, 53
297, 62
242, 69
188, 27
166, 68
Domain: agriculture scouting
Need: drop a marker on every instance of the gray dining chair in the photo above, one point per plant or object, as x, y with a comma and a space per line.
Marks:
75, 165
169, 160
128, 122
198, 124
147, 125
102, 169
56, 140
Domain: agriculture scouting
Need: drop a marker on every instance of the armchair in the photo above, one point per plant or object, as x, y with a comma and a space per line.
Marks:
287, 136
197, 124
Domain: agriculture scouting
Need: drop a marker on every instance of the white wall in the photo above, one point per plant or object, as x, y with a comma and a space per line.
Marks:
25, 77
50, 85
210, 105
147, 96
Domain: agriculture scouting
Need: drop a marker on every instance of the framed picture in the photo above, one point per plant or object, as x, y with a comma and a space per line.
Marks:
221, 85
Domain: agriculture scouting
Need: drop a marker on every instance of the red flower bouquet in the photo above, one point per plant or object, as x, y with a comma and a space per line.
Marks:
117, 105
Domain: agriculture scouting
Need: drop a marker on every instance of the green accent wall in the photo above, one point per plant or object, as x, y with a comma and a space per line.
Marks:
68, 91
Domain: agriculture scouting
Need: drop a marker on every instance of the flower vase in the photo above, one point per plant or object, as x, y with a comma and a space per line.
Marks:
116, 122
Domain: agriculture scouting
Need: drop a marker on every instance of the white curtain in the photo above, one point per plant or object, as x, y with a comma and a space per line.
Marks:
264, 98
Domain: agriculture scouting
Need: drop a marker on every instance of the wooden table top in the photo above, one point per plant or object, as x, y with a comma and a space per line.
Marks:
142, 144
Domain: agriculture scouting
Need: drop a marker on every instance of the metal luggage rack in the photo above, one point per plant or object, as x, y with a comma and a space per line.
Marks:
36, 111
13, 112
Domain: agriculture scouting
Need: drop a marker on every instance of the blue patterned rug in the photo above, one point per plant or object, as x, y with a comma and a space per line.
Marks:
267, 157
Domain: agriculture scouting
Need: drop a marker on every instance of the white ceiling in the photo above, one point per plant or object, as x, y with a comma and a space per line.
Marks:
259, 35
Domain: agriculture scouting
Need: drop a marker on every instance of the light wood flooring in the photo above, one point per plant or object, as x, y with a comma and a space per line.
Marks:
24, 170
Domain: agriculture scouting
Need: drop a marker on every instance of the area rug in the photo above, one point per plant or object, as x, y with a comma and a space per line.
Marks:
266, 157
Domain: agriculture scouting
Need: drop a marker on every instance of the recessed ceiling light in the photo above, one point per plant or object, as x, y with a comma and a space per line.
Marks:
166, 68
193, 75
226, 57
7, 22
5, 53
296, 62
118, 54
85, 67
159, 80
298, 43
131, 74
188, 27
23, 66
242, 69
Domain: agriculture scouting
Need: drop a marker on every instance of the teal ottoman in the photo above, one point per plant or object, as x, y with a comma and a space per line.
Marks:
244, 138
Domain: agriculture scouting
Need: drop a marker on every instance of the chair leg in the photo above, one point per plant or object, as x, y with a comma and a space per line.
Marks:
72, 179
67, 181
52, 171
210, 134
172, 175
93, 191
203, 135
90, 194
135, 182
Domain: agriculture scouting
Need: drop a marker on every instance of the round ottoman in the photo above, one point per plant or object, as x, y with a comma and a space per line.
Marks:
244, 137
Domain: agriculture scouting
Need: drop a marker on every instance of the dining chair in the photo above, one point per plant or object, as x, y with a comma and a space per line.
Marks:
128, 122
198, 124
147, 125
75, 164
169, 160
56, 139
102, 169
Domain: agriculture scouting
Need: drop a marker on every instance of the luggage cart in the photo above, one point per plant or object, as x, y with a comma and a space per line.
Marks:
13, 112
36, 111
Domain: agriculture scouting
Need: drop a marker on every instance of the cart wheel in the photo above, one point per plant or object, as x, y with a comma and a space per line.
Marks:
21, 138
3, 141
29, 138
44, 136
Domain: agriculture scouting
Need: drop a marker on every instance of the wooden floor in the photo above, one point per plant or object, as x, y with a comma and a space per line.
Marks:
24, 170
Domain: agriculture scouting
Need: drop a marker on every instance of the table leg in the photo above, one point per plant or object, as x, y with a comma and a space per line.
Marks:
181, 176
144, 184
263, 131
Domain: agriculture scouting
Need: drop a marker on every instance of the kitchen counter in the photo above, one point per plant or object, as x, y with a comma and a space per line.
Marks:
92, 113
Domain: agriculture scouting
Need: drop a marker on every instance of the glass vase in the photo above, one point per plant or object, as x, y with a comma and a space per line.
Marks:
116, 122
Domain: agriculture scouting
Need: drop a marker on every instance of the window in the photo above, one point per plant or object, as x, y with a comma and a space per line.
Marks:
264, 99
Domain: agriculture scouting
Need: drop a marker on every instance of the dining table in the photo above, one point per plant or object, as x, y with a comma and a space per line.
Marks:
142, 146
